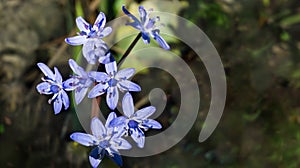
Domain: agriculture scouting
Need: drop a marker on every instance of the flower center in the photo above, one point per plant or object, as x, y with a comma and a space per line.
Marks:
133, 124
54, 88
112, 82
104, 144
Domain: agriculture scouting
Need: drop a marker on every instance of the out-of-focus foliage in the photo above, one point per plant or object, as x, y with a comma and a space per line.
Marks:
258, 42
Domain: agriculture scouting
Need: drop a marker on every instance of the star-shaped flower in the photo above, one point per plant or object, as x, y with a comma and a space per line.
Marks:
106, 140
91, 38
53, 84
80, 81
110, 81
147, 26
134, 122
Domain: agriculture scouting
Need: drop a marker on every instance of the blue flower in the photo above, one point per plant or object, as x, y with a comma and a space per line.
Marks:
106, 140
147, 26
110, 81
134, 122
53, 85
80, 82
91, 38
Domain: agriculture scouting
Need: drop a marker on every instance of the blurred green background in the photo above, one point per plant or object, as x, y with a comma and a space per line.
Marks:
259, 44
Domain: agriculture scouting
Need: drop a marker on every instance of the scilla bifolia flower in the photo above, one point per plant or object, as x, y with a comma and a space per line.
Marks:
147, 26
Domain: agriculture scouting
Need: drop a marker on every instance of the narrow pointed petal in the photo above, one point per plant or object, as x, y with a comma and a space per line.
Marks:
112, 97
80, 94
44, 88
146, 38
143, 14
95, 158
70, 84
127, 105
82, 24
98, 90
116, 158
84, 139
120, 143
76, 40
105, 32
161, 41
111, 68
129, 86
105, 59
118, 122
136, 25
138, 136
125, 73
98, 76
65, 99
46, 70
88, 51
151, 23
150, 123
57, 105
58, 76
130, 15
98, 128
110, 118
144, 112
74, 66
100, 21
94, 162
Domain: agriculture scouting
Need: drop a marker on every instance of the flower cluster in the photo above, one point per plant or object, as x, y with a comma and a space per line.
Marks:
106, 139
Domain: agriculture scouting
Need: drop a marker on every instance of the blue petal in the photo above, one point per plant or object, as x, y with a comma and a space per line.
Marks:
110, 118
70, 84
88, 51
129, 86
116, 158
151, 23
76, 40
57, 105
125, 73
74, 66
79, 94
107, 58
146, 37
44, 88
94, 162
46, 70
149, 123
82, 24
58, 76
105, 32
111, 68
84, 139
95, 153
138, 136
144, 112
98, 90
112, 97
161, 41
98, 76
129, 14
100, 21
97, 128
118, 122
121, 143
65, 99
143, 14
127, 105
136, 25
